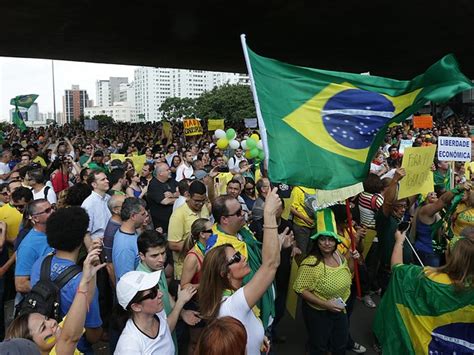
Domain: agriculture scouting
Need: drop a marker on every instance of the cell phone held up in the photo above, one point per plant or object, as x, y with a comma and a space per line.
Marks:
403, 226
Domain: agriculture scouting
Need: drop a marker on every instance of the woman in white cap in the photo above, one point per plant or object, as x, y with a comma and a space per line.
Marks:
147, 330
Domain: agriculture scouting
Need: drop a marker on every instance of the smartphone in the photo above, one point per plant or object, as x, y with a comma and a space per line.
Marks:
340, 302
403, 226
103, 258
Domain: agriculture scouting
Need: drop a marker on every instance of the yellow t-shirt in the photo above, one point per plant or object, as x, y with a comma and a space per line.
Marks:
465, 218
323, 281
297, 194
220, 183
53, 350
12, 217
40, 161
180, 228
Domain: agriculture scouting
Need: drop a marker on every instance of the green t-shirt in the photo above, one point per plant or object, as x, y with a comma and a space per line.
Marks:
386, 228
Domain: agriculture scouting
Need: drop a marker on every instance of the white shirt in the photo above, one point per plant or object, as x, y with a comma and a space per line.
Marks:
234, 162
99, 213
184, 171
179, 202
4, 169
236, 306
51, 197
133, 341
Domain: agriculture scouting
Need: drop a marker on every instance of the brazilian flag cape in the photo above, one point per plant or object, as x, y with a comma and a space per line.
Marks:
422, 313
251, 248
321, 129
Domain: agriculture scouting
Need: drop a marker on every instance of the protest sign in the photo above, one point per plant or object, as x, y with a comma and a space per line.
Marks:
250, 122
419, 177
120, 157
424, 121
213, 124
404, 143
138, 162
167, 132
192, 127
91, 125
454, 149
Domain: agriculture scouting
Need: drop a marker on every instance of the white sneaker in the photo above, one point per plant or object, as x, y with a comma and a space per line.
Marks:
358, 349
368, 301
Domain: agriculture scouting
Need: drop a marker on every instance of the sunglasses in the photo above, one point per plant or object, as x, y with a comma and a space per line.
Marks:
236, 213
207, 231
20, 207
234, 259
48, 210
152, 295
5, 193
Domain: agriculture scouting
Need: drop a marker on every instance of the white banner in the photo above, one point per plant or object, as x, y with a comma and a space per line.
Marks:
454, 149
250, 122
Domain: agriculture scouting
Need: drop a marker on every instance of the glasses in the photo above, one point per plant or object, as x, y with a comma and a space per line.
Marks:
207, 231
20, 207
149, 296
47, 211
5, 193
199, 202
236, 213
234, 259
88, 147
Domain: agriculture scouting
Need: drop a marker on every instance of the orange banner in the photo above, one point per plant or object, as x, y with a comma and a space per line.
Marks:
425, 121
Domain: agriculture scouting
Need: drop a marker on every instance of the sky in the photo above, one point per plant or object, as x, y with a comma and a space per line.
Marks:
21, 76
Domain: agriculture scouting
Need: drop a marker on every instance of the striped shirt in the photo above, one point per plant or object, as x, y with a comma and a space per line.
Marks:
369, 204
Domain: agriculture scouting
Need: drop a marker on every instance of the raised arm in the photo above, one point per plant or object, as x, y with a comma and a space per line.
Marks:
265, 275
392, 191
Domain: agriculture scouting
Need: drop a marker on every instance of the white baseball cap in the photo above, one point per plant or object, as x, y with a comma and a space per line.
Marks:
133, 282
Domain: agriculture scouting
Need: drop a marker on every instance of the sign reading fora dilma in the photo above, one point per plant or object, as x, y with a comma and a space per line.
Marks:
454, 149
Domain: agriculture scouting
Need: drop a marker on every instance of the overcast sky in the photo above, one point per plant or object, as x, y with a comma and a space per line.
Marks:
21, 76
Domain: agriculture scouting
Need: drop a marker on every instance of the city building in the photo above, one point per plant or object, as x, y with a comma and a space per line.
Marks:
109, 91
30, 115
153, 85
74, 102
119, 111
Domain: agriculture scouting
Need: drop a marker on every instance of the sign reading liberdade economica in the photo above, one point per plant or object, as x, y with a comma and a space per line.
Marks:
454, 149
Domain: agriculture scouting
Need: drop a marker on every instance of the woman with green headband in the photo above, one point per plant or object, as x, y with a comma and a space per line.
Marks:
324, 282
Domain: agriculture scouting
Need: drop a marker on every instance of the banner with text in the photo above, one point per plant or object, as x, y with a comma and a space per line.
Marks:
192, 127
212, 125
423, 121
404, 143
454, 149
419, 177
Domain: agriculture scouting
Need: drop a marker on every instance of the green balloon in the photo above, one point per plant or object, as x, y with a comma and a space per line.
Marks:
254, 152
261, 155
251, 143
230, 134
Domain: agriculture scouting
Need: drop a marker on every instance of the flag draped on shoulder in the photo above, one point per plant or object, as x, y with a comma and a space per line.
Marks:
24, 101
321, 128
422, 313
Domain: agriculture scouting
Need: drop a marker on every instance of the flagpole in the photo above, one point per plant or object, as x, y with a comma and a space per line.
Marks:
353, 247
261, 123
54, 92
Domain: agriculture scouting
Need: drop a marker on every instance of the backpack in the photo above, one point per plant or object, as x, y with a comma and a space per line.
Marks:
45, 296
45, 191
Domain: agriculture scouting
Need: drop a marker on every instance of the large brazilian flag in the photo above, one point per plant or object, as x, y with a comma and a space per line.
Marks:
422, 313
321, 128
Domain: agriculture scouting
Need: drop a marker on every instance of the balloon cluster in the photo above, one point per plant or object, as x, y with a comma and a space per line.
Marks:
253, 145
226, 138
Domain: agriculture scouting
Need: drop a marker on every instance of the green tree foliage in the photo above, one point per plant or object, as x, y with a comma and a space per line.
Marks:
174, 108
104, 120
233, 103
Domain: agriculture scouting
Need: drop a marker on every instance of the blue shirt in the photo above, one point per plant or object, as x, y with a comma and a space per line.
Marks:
33, 247
109, 233
68, 292
124, 253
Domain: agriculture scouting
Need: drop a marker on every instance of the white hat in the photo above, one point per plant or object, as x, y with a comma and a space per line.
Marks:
133, 282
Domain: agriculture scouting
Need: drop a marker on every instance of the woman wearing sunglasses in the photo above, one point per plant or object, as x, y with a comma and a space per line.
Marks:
221, 292
147, 330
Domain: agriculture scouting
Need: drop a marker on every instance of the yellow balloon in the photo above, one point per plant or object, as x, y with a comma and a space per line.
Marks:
248, 155
255, 136
222, 143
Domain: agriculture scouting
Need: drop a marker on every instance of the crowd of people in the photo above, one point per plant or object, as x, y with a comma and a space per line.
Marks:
190, 251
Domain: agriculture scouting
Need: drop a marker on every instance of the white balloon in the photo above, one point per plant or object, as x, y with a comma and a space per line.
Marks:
260, 145
243, 144
219, 133
234, 144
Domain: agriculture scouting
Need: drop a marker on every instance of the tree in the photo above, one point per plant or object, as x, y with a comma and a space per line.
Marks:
233, 103
174, 108
103, 120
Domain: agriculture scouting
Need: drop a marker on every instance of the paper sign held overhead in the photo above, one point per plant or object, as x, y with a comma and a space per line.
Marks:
454, 149
424, 121
419, 177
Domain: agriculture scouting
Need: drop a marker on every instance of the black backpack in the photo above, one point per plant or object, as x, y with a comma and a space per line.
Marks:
45, 296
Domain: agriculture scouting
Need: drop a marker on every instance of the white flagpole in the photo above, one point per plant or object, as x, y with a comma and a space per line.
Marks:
261, 123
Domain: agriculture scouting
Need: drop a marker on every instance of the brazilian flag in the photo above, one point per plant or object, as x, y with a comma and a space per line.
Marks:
24, 101
422, 313
322, 128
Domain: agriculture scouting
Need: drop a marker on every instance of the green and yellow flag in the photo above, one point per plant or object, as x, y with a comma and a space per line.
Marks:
321, 128
24, 100
421, 313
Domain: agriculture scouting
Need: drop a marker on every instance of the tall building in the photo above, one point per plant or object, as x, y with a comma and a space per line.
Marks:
102, 92
109, 91
153, 85
114, 88
74, 102
119, 111
29, 115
